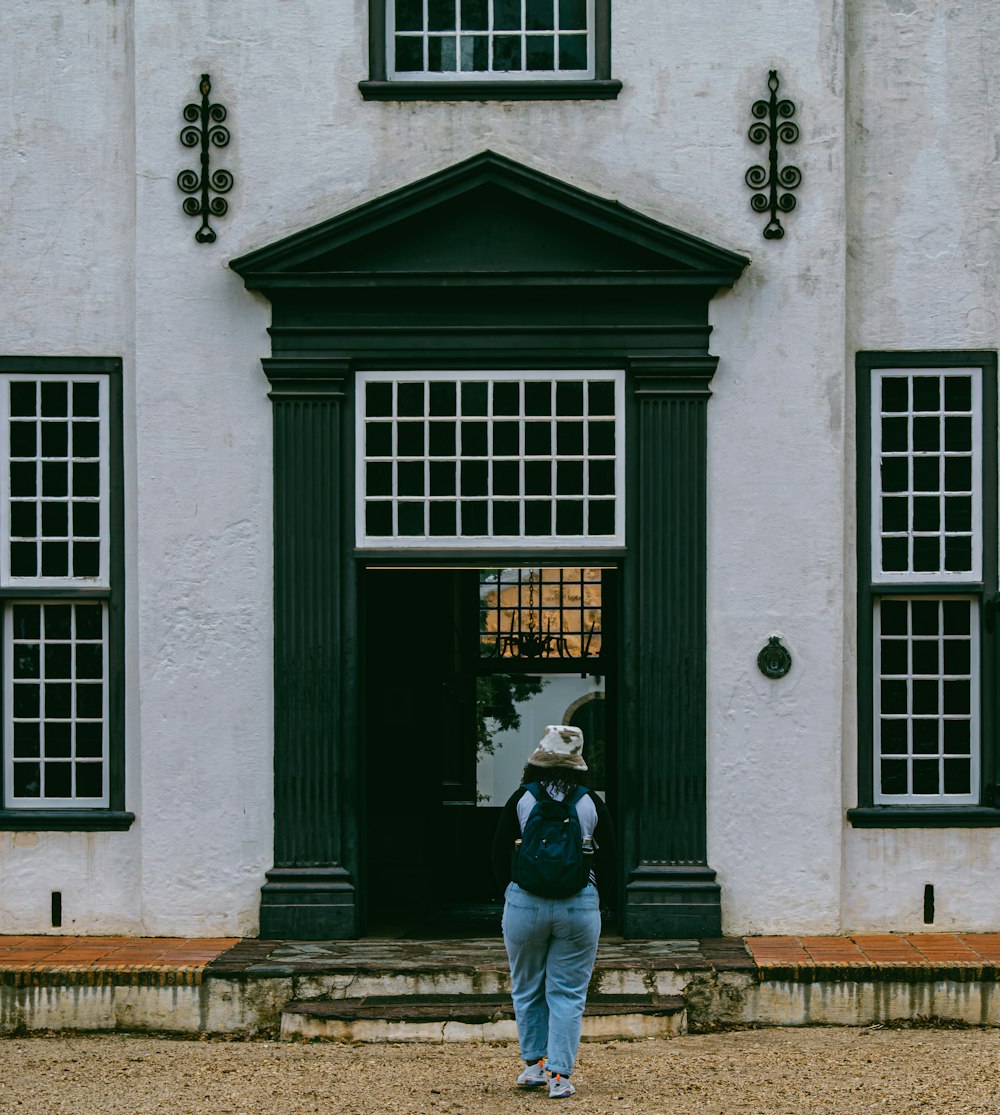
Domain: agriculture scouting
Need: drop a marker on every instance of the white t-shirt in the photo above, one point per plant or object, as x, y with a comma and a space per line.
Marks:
585, 810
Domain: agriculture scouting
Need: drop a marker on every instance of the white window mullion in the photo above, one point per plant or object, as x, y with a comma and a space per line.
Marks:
522, 413
489, 459
554, 452
459, 418
395, 460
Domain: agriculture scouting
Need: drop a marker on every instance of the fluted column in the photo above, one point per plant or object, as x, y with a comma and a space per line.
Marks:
310, 892
670, 889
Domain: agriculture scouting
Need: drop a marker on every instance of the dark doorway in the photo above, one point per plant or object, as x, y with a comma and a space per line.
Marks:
463, 667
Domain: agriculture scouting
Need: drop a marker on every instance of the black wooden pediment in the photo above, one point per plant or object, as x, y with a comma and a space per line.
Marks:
488, 219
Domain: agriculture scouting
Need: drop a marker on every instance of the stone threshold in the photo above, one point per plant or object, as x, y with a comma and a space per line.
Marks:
457, 990
88, 959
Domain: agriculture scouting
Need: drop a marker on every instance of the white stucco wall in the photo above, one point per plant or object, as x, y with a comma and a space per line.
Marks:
99, 260
924, 273
893, 243
67, 180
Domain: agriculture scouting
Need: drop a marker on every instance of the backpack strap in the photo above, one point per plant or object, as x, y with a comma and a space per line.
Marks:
539, 793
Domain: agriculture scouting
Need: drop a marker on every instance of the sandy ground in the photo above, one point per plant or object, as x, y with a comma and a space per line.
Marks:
833, 1071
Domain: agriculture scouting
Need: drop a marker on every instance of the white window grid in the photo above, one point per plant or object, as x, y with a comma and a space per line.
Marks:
56, 710
919, 730
460, 45
553, 540
50, 498
914, 501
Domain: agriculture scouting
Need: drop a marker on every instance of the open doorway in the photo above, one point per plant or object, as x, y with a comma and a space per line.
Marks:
463, 670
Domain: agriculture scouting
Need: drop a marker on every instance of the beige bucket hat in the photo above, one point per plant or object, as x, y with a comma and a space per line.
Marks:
560, 746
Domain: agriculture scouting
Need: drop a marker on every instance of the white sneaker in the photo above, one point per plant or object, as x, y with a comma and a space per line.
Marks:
533, 1076
559, 1087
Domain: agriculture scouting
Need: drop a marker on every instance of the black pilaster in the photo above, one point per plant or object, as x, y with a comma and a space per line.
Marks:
310, 891
670, 889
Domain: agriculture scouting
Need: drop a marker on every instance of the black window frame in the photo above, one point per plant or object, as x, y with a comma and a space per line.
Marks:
986, 813
380, 87
114, 816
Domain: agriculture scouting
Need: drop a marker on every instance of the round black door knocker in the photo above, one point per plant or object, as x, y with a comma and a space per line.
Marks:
774, 661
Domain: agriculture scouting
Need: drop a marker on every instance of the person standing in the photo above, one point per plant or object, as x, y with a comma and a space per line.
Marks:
551, 942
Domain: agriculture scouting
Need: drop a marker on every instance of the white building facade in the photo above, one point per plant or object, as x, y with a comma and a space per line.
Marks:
489, 296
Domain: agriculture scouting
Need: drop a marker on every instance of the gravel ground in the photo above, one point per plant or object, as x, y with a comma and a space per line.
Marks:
833, 1071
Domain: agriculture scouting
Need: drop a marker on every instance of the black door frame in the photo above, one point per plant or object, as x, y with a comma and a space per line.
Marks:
647, 315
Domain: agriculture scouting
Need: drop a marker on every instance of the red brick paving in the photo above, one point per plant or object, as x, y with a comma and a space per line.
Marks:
37, 953
915, 950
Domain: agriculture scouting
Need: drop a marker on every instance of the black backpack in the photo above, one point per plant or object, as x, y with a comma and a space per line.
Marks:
548, 860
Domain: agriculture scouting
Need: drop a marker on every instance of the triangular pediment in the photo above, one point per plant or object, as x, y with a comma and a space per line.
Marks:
488, 217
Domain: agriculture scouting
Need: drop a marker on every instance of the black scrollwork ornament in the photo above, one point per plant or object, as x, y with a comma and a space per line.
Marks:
773, 125
774, 661
204, 127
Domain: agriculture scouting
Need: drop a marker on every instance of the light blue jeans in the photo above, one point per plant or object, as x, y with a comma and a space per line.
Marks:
551, 944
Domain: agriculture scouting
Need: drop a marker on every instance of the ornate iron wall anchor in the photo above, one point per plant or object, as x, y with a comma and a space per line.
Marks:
778, 127
774, 661
205, 127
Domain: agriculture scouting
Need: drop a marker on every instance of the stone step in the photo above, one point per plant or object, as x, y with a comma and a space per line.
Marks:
447, 1018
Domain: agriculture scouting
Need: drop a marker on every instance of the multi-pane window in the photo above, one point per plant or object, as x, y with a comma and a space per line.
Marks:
927, 698
490, 39
928, 431
451, 459
59, 582
55, 494
56, 690
928, 576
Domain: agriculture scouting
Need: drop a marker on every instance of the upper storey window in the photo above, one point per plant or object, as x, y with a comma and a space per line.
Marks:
483, 49
491, 38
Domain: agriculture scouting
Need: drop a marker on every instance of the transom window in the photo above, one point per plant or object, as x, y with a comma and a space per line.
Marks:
451, 459
928, 577
490, 39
